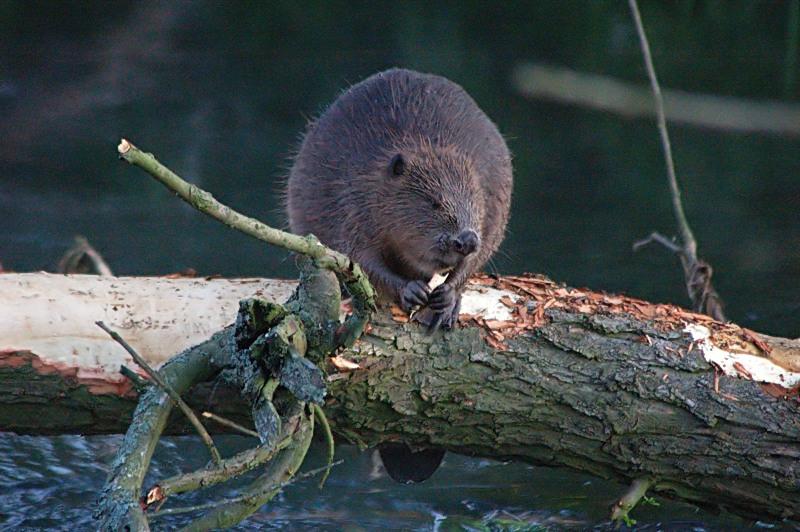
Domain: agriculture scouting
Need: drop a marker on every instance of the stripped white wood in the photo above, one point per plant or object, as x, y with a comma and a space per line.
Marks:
759, 368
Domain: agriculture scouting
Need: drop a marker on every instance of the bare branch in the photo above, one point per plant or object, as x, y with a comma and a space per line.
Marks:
201, 430
689, 244
224, 471
697, 273
232, 424
244, 498
657, 238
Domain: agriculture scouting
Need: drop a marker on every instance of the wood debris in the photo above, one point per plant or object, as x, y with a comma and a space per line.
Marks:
537, 294
342, 364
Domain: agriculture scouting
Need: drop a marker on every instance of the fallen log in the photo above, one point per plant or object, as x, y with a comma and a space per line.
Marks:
615, 386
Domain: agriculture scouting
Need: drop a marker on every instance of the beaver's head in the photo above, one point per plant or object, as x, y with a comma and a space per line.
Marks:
431, 207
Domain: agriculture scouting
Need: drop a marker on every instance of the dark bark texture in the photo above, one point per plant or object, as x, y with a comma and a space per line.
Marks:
608, 393
584, 392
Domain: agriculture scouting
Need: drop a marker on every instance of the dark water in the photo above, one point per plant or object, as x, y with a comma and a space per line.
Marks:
221, 91
52, 483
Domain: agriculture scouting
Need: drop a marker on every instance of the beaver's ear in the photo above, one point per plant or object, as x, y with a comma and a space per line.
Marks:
397, 166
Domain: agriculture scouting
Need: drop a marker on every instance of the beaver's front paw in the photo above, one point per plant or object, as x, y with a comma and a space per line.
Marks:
444, 304
413, 294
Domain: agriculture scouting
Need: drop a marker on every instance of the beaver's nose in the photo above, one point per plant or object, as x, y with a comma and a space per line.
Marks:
467, 242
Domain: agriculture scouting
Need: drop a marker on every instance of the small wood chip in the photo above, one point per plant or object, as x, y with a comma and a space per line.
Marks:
398, 315
756, 340
155, 494
742, 371
507, 301
343, 364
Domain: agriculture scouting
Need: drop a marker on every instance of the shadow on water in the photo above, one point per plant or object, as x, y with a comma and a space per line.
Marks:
221, 92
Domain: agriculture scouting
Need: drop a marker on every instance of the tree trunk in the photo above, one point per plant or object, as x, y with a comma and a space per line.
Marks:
538, 372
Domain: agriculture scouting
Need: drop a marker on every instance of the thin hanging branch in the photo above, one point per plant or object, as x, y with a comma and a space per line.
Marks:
792, 44
697, 273
689, 243
190, 415
326, 430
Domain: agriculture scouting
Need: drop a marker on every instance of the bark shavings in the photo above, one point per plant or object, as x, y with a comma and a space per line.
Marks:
779, 392
342, 364
536, 295
530, 298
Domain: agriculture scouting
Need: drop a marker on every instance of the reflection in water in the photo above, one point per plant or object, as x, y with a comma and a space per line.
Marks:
221, 92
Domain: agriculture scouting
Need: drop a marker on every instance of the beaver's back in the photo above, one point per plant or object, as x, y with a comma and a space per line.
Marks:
347, 148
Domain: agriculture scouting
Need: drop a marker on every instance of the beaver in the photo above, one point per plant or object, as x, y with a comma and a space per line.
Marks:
407, 176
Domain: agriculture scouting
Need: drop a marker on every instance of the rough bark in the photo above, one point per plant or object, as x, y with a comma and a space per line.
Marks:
586, 393
538, 372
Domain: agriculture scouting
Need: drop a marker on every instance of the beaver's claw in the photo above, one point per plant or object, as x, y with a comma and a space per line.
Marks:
443, 307
413, 294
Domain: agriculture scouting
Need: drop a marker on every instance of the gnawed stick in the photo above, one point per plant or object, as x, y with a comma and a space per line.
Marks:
349, 272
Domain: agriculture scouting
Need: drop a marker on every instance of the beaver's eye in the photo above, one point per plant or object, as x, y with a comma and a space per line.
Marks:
397, 166
436, 204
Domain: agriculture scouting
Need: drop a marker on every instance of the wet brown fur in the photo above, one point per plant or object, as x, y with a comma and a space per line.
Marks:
457, 175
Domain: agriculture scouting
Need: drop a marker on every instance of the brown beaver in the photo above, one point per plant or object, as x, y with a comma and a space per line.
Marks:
406, 175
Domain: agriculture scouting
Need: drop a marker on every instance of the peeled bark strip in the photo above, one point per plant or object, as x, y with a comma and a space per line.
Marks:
550, 375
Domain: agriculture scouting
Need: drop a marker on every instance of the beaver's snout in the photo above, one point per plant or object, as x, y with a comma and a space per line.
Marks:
466, 242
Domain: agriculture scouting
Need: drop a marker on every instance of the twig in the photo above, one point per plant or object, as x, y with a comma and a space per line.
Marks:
118, 506
224, 471
138, 382
659, 239
244, 498
622, 508
281, 469
348, 271
232, 424
201, 430
83, 258
326, 429
207, 204
697, 273
689, 243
